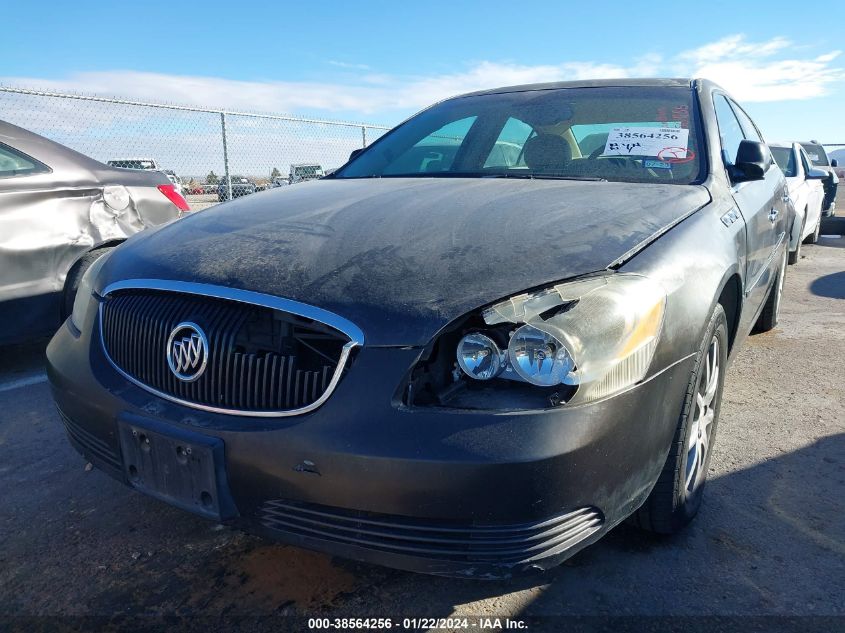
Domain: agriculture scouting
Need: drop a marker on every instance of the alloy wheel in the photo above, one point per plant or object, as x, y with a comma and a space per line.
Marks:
704, 415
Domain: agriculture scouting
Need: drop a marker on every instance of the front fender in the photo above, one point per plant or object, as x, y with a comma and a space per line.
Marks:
694, 261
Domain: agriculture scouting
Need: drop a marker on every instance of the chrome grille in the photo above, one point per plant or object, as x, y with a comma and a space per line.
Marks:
260, 360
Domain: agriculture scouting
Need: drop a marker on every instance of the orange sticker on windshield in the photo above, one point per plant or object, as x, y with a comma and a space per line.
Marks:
676, 154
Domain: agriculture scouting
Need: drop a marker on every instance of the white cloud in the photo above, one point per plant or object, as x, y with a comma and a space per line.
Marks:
734, 46
771, 70
759, 71
349, 65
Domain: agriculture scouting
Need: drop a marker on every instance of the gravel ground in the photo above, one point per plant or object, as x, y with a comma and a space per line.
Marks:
770, 539
200, 202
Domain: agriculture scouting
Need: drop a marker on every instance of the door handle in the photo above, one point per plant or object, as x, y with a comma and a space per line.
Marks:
773, 215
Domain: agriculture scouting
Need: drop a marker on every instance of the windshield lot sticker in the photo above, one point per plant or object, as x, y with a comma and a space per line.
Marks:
656, 164
644, 141
676, 154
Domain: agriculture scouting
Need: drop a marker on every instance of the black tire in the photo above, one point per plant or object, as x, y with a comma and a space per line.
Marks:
75, 276
795, 255
814, 236
671, 504
768, 318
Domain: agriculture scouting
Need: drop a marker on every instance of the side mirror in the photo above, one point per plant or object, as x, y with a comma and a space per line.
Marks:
354, 154
817, 174
834, 163
753, 160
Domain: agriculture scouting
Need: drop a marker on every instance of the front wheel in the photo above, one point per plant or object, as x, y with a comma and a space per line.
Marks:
676, 497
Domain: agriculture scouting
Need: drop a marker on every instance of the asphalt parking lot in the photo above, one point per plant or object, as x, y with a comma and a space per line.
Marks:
770, 539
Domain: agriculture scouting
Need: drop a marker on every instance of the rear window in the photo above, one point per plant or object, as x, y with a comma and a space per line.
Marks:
630, 134
308, 170
15, 163
785, 158
816, 154
133, 164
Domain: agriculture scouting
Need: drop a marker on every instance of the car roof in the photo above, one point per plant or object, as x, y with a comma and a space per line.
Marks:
55, 155
589, 83
67, 166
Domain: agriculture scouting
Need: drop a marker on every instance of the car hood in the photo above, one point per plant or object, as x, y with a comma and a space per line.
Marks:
401, 258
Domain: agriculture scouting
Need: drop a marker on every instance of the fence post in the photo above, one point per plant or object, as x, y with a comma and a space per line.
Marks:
364, 135
226, 157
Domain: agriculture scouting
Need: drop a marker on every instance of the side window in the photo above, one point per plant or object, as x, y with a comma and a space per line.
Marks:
793, 166
434, 152
14, 163
730, 131
748, 127
507, 150
785, 157
806, 162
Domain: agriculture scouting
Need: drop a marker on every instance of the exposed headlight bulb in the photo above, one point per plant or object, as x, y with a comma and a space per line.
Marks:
538, 357
479, 357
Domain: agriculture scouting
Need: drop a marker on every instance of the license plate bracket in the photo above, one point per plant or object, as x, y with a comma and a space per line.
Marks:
183, 468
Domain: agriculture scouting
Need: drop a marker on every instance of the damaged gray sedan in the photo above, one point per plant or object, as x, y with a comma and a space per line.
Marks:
59, 211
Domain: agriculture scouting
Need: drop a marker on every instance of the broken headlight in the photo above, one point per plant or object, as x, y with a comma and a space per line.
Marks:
573, 343
601, 332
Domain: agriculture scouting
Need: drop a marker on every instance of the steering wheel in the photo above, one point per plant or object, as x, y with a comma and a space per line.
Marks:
616, 161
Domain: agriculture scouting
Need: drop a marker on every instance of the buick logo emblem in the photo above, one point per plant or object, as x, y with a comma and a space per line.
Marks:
187, 351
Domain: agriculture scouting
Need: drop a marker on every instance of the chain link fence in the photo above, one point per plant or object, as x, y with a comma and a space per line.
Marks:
212, 154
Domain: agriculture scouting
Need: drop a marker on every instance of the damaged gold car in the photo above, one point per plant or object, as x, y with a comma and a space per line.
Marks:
59, 211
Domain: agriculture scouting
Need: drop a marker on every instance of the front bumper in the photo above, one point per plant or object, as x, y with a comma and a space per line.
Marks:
436, 491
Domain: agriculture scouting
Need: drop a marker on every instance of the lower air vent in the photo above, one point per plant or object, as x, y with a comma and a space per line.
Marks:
91, 445
438, 540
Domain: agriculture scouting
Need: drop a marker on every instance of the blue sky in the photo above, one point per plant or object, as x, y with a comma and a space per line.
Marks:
381, 61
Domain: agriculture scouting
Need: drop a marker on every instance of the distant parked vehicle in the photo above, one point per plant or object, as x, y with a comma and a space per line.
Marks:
838, 155
59, 212
241, 186
172, 177
135, 163
305, 171
806, 192
820, 159
278, 181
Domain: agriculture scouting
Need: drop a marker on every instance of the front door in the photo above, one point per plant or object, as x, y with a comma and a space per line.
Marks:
762, 203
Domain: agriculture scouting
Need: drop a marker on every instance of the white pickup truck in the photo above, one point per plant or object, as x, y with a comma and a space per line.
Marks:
305, 171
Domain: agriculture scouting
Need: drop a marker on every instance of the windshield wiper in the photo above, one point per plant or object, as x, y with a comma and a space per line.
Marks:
476, 174
552, 177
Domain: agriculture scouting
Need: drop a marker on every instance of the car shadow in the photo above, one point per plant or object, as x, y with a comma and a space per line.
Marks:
769, 540
831, 286
22, 359
833, 226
